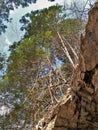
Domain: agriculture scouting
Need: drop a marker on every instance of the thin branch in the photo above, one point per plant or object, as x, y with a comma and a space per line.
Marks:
65, 50
72, 49
50, 80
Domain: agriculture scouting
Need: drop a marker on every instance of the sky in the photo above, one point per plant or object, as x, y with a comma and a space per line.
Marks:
13, 32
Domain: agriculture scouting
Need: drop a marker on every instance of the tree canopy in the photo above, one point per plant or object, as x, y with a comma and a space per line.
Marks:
40, 64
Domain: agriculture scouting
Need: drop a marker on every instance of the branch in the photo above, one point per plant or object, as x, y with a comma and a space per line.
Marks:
65, 50
71, 48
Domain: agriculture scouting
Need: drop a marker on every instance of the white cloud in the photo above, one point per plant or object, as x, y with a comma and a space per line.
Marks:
7, 42
5, 46
45, 3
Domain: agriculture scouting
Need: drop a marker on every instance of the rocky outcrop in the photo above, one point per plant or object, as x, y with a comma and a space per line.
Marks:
78, 109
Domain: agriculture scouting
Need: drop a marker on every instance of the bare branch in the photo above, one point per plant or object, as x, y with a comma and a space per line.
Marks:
65, 50
72, 49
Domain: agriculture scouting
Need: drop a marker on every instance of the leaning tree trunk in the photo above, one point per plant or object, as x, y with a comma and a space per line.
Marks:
78, 109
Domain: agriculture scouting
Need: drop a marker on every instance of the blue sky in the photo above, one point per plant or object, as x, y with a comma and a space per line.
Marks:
13, 32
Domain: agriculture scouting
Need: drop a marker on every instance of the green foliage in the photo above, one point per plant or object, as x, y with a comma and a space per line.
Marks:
43, 21
28, 62
70, 27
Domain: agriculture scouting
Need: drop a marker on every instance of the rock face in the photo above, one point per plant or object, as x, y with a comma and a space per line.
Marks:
78, 109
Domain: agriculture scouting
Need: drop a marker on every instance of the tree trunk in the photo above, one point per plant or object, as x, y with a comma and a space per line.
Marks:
78, 109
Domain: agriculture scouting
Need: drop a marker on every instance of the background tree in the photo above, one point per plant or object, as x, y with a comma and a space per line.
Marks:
38, 68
